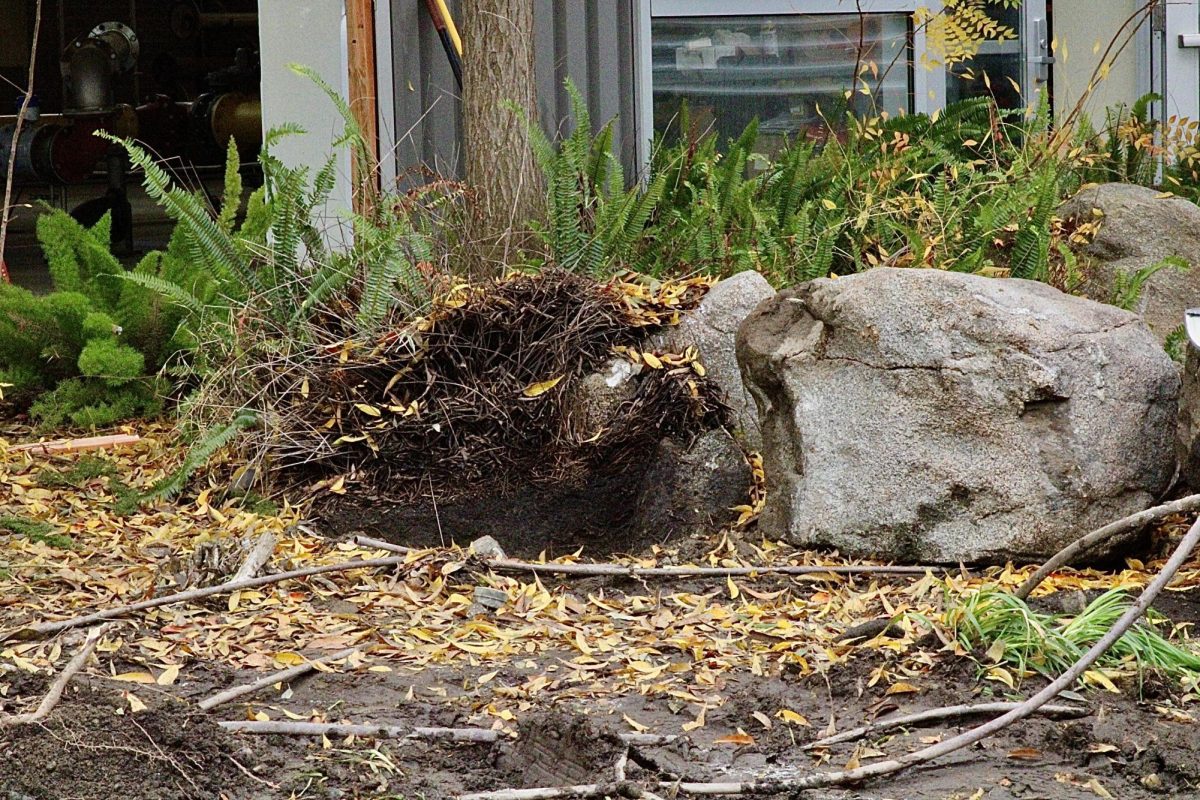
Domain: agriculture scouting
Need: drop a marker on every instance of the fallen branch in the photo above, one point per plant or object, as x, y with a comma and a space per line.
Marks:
622, 571
938, 714
208, 591
76, 445
233, 693
257, 558
824, 779
60, 684
484, 735
1133, 521
290, 728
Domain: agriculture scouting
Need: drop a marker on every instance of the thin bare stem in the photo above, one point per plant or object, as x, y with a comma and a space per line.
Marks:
44, 628
16, 140
1085, 543
622, 571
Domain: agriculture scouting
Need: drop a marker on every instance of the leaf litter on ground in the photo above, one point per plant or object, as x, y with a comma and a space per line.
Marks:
595, 642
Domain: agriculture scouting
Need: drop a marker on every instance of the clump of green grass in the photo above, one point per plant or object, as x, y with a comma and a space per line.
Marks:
36, 531
1010, 631
86, 469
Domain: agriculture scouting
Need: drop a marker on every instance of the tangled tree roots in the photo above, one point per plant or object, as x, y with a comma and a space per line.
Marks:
473, 397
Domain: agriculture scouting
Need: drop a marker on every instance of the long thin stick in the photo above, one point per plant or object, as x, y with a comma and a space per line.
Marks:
60, 684
823, 779
1133, 521
208, 591
293, 728
16, 139
233, 693
622, 571
937, 715
290, 728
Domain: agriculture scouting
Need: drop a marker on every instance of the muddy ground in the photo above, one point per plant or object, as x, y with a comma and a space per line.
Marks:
1140, 743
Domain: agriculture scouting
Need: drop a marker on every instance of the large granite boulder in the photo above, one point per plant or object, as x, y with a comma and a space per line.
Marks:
927, 416
712, 329
1139, 227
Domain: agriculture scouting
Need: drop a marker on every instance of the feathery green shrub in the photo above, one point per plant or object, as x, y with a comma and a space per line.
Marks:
86, 353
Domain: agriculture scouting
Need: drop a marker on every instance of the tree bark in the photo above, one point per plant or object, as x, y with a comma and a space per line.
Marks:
499, 104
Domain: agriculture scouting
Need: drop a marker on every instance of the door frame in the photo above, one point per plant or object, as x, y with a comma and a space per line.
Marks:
1174, 62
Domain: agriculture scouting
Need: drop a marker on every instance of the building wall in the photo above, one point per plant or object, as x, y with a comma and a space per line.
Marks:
312, 33
590, 41
1083, 29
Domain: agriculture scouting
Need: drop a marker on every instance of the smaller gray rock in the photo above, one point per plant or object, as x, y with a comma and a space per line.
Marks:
712, 328
594, 402
487, 600
1138, 228
487, 547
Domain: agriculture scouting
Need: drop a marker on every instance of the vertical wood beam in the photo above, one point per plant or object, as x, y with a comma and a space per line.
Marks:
364, 102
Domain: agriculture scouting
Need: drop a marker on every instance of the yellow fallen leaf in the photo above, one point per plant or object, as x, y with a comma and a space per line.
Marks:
633, 723
1002, 675
168, 676
793, 718
134, 677
370, 411
733, 589
1098, 678
900, 687
1097, 788
652, 361
698, 722
135, 705
541, 387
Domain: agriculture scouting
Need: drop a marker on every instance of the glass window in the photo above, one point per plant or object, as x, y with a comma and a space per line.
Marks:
786, 70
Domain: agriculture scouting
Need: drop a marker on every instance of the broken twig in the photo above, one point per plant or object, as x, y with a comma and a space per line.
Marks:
257, 557
622, 571
60, 684
208, 591
1133, 521
938, 714
76, 445
842, 777
233, 693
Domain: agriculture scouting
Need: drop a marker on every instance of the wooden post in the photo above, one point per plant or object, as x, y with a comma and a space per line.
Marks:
364, 103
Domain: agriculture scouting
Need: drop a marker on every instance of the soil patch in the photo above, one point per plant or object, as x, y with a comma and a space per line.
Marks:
94, 746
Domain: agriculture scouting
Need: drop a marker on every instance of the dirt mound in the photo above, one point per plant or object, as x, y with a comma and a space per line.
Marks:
473, 395
94, 746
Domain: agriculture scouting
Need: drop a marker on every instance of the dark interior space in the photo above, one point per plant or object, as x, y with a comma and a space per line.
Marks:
181, 77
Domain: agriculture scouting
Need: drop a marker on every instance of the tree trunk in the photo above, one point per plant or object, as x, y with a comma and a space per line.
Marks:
498, 88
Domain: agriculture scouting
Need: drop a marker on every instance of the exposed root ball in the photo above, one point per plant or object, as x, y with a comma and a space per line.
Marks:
472, 396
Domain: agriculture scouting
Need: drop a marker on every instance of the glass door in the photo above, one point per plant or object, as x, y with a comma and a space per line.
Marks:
1014, 71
